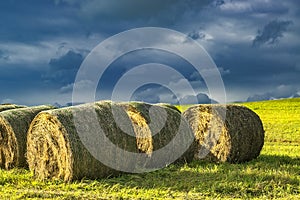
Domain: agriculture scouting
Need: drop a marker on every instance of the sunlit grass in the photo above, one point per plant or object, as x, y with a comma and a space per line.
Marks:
274, 174
281, 119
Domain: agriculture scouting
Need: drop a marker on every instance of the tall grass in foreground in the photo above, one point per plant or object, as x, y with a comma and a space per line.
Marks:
275, 174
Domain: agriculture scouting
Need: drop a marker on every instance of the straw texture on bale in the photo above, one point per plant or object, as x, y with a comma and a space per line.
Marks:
229, 133
155, 131
56, 149
4, 107
14, 125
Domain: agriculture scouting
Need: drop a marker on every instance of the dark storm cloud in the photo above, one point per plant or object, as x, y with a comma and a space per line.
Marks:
70, 60
282, 91
31, 31
134, 9
147, 95
200, 98
256, 68
114, 16
33, 21
126, 9
159, 94
297, 66
151, 95
195, 35
63, 69
4, 56
219, 2
17, 85
271, 32
128, 61
246, 7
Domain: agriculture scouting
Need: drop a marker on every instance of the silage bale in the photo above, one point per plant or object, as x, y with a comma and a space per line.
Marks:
14, 125
57, 149
4, 107
229, 133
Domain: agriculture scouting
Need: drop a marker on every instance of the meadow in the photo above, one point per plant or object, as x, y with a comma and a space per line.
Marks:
275, 174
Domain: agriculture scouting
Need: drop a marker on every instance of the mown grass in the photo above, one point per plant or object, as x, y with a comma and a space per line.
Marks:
274, 174
281, 119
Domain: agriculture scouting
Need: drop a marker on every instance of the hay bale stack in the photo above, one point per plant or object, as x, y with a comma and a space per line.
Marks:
14, 125
4, 107
229, 133
57, 149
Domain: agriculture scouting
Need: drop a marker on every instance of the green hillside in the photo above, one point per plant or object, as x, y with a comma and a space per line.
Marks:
275, 174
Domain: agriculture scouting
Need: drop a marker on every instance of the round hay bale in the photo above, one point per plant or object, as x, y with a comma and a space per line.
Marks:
156, 126
14, 125
58, 150
229, 133
4, 107
59, 146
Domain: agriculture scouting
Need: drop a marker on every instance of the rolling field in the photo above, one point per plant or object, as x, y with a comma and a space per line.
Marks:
275, 174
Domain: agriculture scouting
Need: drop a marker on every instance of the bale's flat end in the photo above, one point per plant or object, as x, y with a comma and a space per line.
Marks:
226, 133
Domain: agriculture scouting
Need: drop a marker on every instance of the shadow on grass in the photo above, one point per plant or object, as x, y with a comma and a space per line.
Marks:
267, 175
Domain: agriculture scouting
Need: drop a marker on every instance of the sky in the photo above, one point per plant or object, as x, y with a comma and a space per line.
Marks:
255, 45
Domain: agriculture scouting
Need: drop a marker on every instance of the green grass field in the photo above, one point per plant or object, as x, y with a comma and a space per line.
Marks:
275, 174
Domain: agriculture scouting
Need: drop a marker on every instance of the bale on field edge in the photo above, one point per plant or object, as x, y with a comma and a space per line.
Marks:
56, 149
226, 133
156, 126
14, 125
4, 107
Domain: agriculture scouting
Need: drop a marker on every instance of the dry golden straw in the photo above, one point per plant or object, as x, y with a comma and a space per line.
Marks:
156, 134
14, 125
236, 137
56, 149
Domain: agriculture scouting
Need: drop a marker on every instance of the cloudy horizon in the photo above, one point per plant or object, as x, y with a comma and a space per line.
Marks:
255, 45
